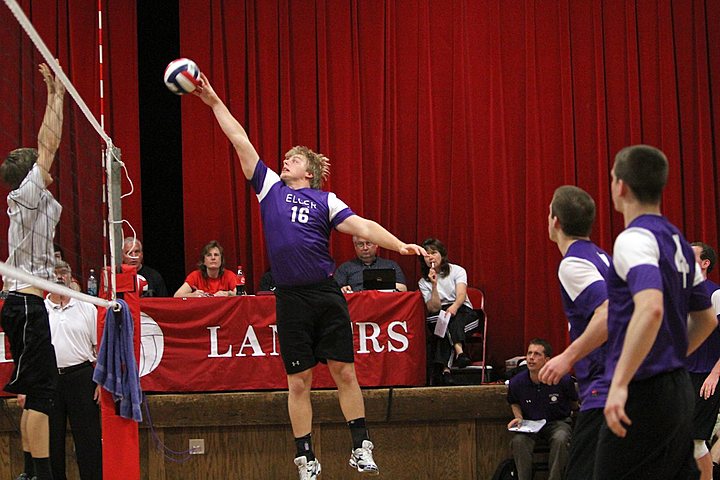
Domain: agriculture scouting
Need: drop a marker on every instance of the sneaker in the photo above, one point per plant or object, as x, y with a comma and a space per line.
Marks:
462, 360
307, 470
362, 459
24, 476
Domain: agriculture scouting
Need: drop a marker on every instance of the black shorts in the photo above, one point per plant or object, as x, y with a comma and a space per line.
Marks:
658, 444
25, 323
313, 325
583, 444
706, 411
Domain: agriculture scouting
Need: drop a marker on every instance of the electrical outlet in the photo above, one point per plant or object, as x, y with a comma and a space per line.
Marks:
197, 446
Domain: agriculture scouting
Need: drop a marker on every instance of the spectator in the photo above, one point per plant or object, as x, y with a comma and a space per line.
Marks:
73, 325
133, 255
530, 399
210, 279
59, 255
349, 275
444, 287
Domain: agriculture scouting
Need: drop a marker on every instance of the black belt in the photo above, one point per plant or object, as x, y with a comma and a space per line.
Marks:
72, 368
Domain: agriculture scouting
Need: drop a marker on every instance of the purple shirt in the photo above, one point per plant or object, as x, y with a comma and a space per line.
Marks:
297, 226
651, 253
706, 356
540, 401
582, 274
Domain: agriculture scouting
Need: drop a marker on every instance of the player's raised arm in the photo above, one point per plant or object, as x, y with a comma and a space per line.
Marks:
229, 124
51, 128
376, 233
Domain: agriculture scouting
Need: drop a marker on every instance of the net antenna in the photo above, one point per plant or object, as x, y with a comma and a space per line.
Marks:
72, 156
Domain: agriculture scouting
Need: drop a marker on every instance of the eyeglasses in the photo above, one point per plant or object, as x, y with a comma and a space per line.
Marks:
364, 244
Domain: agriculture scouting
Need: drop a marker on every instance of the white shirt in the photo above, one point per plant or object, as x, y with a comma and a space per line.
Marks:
446, 286
73, 329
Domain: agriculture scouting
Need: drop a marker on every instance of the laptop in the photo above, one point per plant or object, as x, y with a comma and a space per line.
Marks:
379, 279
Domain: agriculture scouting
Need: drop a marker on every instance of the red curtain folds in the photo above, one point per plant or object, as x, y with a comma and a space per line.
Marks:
456, 120
70, 31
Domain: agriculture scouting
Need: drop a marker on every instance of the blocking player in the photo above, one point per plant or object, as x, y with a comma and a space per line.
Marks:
653, 285
312, 316
34, 214
582, 275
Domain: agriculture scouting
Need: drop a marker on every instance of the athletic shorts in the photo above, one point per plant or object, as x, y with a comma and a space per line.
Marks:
583, 444
706, 411
313, 325
26, 325
658, 444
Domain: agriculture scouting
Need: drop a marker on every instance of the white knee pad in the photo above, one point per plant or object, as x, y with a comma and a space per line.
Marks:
700, 449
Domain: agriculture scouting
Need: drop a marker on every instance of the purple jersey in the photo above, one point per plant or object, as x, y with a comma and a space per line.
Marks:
651, 253
706, 356
582, 274
541, 401
297, 226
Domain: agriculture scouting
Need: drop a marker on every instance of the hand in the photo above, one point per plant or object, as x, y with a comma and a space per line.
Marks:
54, 85
615, 415
452, 310
515, 422
21, 400
346, 289
205, 92
200, 293
432, 276
554, 370
96, 394
708, 387
222, 293
412, 249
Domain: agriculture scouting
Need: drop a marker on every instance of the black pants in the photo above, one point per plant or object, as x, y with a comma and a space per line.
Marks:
460, 324
74, 401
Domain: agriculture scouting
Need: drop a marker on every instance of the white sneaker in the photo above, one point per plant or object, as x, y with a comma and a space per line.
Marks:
362, 459
307, 470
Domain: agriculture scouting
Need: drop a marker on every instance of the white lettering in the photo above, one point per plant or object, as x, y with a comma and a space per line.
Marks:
3, 358
291, 198
214, 344
251, 341
373, 337
274, 352
397, 336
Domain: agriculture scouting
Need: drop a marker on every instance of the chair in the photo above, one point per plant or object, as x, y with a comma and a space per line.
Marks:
477, 339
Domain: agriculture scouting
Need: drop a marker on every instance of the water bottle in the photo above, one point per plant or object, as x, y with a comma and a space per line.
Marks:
92, 283
240, 284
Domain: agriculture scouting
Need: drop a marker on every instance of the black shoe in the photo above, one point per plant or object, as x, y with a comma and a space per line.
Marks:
716, 471
462, 360
447, 379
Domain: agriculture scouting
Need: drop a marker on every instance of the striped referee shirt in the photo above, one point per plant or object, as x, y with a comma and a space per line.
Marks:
33, 213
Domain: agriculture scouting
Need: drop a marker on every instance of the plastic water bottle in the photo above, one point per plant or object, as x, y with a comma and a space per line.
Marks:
240, 285
92, 283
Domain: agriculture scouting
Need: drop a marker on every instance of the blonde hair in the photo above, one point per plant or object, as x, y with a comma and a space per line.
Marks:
318, 164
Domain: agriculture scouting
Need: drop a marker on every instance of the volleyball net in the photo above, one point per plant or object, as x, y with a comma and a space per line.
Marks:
72, 218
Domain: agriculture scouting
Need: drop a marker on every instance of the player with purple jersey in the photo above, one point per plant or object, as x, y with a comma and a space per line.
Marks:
653, 285
312, 315
703, 365
582, 274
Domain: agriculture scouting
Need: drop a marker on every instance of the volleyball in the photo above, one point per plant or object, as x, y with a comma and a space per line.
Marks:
182, 76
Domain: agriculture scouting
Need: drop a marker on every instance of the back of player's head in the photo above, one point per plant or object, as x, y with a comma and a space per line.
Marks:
575, 209
706, 253
644, 169
318, 164
543, 343
17, 165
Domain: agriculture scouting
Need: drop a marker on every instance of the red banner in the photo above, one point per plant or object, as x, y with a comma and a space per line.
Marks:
221, 344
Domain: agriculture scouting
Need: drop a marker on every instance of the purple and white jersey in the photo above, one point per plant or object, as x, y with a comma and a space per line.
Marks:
651, 253
582, 274
706, 356
297, 225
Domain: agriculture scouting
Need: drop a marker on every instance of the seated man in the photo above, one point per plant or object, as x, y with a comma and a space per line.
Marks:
133, 255
530, 399
349, 275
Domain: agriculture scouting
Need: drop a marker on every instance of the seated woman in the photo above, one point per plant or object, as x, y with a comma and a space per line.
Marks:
210, 279
444, 287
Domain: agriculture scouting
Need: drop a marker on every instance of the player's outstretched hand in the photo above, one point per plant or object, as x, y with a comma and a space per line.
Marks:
708, 387
205, 91
412, 249
554, 370
615, 415
54, 85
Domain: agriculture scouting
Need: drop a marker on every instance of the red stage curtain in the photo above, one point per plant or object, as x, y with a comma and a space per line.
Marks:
456, 120
70, 31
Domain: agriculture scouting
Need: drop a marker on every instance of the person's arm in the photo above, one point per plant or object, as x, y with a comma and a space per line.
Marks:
51, 128
230, 126
700, 325
401, 287
186, 290
595, 335
639, 339
517, 414
707, 389
433, 304
374, 232
460, 295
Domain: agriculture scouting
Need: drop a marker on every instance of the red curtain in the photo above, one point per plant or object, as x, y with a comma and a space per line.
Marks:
70, 31
456, 120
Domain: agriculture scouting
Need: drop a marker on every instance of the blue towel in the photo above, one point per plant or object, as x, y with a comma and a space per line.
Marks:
116, 370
